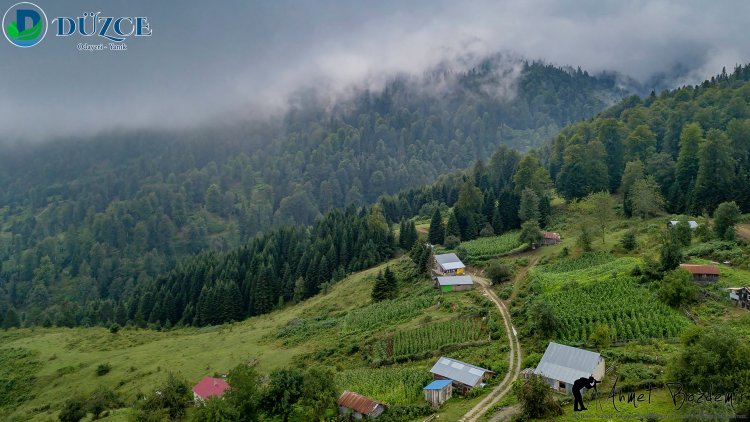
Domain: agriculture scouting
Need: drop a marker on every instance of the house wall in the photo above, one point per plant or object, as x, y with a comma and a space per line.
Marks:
462, 287
446, 289
599, 370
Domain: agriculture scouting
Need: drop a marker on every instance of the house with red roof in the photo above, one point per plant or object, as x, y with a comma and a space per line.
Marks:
209, 387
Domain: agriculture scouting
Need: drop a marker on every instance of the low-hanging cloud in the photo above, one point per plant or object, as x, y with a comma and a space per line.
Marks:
208, 62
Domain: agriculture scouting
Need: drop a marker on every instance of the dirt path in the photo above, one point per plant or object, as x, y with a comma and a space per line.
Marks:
514, 357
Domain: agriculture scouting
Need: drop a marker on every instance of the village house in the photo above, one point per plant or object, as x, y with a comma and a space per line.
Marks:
741, 296
209, 387
438, 391
464, 375
449, 264
359, 406
550, 238
454, 284
693, 225
562, 365
702, 273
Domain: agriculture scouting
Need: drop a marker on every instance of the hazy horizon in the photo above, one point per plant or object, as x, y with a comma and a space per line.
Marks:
205, 64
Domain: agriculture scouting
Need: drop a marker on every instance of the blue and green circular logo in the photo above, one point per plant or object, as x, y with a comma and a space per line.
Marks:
25, 24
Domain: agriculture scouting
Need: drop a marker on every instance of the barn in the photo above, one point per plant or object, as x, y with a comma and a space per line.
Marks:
455, 283
209, 387
359, 406
702, 273
465, 376
438, 391
449, 264
562, 365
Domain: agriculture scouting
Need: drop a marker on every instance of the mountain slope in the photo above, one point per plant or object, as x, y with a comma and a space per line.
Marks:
80, 216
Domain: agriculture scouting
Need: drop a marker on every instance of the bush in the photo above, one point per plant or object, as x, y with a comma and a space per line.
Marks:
536, 398
498, 272
73, 410
451, 242
114, 328
506, 292
103, 369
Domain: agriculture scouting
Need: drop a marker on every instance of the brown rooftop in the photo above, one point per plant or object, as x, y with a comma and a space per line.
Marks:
700, 269
357, 402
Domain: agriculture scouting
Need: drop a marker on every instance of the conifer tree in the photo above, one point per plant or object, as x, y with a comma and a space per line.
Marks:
380, 288
452, 228
436, 235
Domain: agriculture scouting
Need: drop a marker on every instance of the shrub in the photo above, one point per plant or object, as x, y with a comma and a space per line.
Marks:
498, 272
451, 242
114, 328
103, 369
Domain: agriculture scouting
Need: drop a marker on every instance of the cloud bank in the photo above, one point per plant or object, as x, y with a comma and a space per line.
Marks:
207, 63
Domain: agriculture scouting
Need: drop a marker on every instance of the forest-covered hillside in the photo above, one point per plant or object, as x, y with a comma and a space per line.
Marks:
89, 219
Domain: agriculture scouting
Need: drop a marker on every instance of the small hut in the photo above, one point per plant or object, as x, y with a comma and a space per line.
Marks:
438, 391
702, 273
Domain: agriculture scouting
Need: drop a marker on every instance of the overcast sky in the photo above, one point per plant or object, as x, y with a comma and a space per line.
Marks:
220, 60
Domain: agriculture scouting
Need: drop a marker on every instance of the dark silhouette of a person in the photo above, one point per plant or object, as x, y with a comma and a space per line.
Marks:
580, 383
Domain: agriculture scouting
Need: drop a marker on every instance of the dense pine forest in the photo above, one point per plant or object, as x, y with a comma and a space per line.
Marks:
685, 150
84, 220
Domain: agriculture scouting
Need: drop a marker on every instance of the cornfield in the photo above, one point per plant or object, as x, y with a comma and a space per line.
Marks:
584, 270
631, 311
489, 247
430, 337
386, 385
385, 313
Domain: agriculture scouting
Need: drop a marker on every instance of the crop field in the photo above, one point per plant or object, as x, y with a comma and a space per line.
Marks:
386, 313
583, 270
632, 311
429, 337
387, 385
488, 247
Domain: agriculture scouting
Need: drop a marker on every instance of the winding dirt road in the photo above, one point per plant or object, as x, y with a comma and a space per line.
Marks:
514, 357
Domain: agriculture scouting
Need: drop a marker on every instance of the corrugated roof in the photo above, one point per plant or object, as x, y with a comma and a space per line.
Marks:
551, 235
357, 402
456, 370
438, 385
565, 363
449, 261
700, 269
456, 280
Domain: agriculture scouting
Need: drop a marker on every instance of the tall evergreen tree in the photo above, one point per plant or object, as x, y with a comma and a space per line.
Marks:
436, 235
713, 184
452, 228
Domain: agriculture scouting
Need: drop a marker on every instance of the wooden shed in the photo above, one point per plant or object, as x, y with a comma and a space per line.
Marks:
702, 273
438, 391
359, 406
550, 238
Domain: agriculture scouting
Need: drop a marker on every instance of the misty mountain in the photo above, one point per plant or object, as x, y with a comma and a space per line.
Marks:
84, 219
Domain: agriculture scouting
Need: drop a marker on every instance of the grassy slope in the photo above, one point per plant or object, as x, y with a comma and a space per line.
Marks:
63, 361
